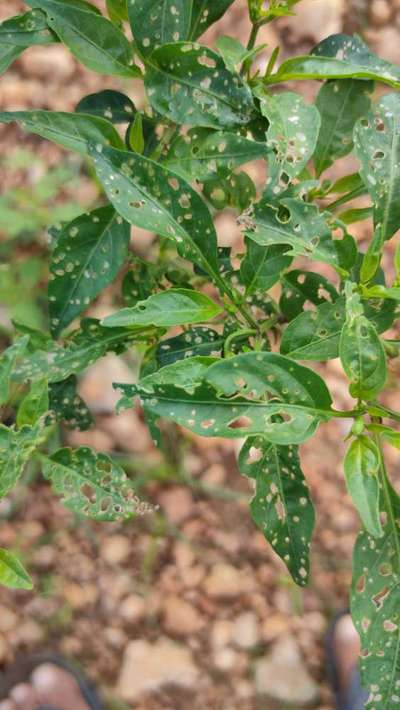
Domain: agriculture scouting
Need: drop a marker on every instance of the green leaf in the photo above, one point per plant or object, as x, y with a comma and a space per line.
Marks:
8, 55
361, 466
95, 41
16, 448
177, 306
300, 287
70, 130
34, 405
162, 21
361, 351
87, 257
303, 228
281, 506
68, 406
237, 191
149, 196
315, 335
339, 56
341, 104
234, 53
375, 605
181, 86
301, 398
117, 10
91, 484
81, 350
292, 136
134, 137
377, 146
194, 342
204, 154
7, 364
12, 573
108, 104
26, 30
262, 266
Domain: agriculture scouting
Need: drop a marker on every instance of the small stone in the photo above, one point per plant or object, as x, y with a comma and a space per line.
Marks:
380, 12
224, 581
115, 637
283, 676
116, 549
3, 649
80, 596
183, 554
177, 504
8, 620
148, 667
274, 626
29, 632
180, 617
246, 633
221, 633
225, 659
133, 608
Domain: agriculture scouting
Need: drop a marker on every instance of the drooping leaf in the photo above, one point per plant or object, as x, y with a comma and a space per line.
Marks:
194, 342
7, 364
377, 146
292, 136
149, 196
315, 335
108, 104
262, 266
34, 405
70, 130
340, 104
339, 56
91, 484
301, 399
300, 287
181, 87
361, 466
87, 257
68, 406
204, 154
163, 21
177, 306
16, 448
95, 41
26, 30
375, 605
303, 228
12, 573
361, 351
281, 506
81, 350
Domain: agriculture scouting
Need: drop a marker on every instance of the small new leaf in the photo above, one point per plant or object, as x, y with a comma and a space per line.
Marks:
12, 573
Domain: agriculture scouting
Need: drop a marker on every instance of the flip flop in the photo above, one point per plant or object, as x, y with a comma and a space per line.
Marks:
21, 670
354, 697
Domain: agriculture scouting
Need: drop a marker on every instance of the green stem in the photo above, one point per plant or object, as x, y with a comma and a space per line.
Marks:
250, 46
346, 198
165, 139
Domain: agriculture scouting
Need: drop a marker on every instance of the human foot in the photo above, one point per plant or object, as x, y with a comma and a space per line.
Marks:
50, 686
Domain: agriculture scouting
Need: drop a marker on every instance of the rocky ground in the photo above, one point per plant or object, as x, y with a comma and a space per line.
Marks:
187, 607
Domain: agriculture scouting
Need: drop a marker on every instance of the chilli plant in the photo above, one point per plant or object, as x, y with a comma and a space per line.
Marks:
243, 323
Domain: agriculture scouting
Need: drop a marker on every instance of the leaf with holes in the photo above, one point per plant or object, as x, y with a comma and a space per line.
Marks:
300, 287
93, 40
88, 255
361, 351
340, 103
339, 56
375, 605
12, 573
8, 360
177, 306
181, 87
281, 506
377, 146
237, 191
204, 154
34, 405
149, 196
361, 466
72, 131
16, 448
84, 346
291, 137
193, 342
303, 228
163, 21
67, 406
262, 266
91, 484
108, 104
26, 30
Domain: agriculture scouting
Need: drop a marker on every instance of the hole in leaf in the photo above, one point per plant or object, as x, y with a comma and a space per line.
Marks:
241, 422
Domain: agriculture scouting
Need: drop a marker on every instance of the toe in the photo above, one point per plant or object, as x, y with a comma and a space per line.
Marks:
56, 686
24, 696
8, 705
